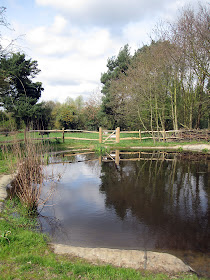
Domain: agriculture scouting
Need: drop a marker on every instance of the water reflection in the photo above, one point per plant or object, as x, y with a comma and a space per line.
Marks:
170, 197
141, 200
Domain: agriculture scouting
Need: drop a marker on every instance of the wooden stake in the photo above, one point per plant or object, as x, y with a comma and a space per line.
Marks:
100, 134
117, 157
63, 134
117, 135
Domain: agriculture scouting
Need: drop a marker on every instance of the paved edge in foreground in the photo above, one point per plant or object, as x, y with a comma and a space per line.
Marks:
136, 259
5, 180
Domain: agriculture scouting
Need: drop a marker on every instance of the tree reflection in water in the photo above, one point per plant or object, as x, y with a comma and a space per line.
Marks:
142, 200
169, 197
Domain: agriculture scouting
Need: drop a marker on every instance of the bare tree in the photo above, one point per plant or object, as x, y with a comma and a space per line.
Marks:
167, 83
190, 33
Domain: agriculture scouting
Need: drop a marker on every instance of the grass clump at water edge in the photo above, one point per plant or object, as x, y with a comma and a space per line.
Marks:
100, 149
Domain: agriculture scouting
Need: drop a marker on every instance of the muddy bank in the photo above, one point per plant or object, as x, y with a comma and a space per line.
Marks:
152, 261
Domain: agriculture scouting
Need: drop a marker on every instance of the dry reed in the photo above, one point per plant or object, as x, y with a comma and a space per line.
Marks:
27, 163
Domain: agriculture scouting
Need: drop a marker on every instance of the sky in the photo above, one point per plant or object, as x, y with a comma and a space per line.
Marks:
72, 39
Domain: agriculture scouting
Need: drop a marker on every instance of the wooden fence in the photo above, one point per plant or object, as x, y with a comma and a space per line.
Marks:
165, 136
114, 136
117, 156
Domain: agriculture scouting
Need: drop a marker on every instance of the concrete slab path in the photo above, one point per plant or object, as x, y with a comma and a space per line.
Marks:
152, 261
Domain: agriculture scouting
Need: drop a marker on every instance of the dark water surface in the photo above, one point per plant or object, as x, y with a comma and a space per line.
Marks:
154, 201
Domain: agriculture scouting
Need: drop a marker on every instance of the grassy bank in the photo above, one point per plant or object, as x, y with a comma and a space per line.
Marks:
25, 254
58, 145
56, 139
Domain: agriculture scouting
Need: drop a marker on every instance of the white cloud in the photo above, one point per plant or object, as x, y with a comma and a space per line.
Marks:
71, 58
60, 92
138, 33
70, 70
89, 42
73, 46
59, 24
109, 12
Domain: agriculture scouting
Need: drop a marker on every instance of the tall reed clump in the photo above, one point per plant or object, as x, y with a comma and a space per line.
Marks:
26, 162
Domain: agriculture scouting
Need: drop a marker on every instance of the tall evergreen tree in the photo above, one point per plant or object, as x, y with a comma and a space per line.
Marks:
18, 93
116, 66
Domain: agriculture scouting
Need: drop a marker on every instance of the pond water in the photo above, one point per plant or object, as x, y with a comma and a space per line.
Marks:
143, 200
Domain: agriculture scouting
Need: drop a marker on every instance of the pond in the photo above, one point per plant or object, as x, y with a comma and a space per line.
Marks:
155, 201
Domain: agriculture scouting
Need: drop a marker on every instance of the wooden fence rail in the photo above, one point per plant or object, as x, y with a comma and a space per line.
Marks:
114, 136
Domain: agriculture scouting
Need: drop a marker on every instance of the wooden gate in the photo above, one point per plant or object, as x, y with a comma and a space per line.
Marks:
112, 136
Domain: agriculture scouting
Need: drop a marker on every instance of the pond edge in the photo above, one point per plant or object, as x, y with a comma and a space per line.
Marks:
136, 259
147, 260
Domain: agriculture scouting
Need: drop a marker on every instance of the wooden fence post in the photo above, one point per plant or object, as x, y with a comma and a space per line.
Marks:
63, 134
117, 135
100, 135
117, 157
140, 135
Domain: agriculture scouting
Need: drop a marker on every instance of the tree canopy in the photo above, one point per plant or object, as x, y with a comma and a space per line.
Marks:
164, 85
116, 66
18, 93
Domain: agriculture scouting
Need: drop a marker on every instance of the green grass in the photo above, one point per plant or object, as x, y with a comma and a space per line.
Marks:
58, 145
27, 255
10, 137
4, 168
93, 136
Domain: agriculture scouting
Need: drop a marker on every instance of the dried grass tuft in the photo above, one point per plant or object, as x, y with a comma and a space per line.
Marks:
27, 162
